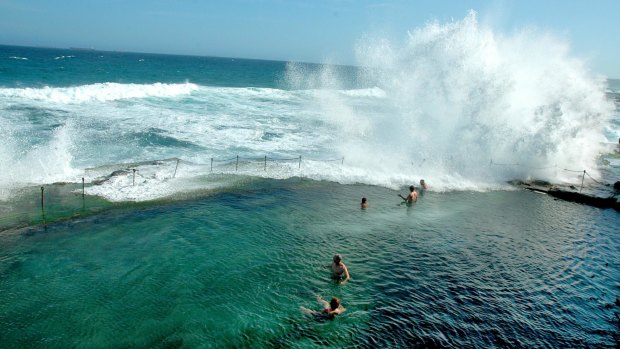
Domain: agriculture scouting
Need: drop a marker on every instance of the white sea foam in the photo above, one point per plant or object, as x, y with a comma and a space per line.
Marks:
367, 93
100, 92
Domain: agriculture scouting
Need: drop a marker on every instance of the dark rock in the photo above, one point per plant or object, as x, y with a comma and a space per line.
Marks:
119, 173
565, 193
584, 199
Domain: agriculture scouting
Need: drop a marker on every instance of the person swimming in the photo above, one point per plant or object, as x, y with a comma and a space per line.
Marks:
330, 310
364, 203
339, 270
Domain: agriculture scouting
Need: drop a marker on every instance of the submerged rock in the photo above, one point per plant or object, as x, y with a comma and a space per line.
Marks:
595, 201
104, 179
569, 194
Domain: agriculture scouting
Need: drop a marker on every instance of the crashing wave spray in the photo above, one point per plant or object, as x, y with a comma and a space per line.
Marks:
44, 163
460, 100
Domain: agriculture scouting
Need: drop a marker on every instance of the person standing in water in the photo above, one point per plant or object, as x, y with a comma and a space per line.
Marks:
412, 197
339, 270
364, 203
423, 184
423, 187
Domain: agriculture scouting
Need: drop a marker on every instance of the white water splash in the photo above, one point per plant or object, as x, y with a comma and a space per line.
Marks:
461, 99
44, 163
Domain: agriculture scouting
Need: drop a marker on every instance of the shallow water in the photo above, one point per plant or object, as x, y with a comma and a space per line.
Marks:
464, 269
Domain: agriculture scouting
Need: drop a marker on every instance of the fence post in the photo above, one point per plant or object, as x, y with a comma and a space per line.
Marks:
265, 162
582, 178
175, 169
237, 164
43, 210
299, 161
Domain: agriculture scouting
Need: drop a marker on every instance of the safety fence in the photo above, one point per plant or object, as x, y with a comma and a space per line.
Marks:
264, 161
585, 173
69, 200
56, 202
63, 201
226, 163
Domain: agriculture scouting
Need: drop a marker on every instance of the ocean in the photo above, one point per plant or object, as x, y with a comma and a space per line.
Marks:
151, 200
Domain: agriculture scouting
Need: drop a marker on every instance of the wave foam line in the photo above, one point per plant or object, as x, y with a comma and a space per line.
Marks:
101, 92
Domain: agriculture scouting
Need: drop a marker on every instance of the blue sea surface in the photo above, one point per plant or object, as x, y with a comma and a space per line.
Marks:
55, 67
152, 200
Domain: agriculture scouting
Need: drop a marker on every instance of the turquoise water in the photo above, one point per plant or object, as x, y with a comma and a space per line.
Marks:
194, 201
496, 269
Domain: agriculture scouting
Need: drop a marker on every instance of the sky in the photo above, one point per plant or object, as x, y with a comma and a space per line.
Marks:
295, 30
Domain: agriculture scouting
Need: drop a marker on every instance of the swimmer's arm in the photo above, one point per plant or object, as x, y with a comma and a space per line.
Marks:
340, 310
322, 301
306, 310
346, 275
402, 197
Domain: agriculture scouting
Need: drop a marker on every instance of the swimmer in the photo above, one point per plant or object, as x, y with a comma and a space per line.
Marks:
423, 187
329, 310
339, 270
423, 184
413, 196
364, 203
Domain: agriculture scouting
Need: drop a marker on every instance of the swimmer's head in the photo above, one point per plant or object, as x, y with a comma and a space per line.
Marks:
411, 188
334, 303
363, 200
337, 258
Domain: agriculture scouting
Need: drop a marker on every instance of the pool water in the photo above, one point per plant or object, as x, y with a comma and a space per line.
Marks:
231, 269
